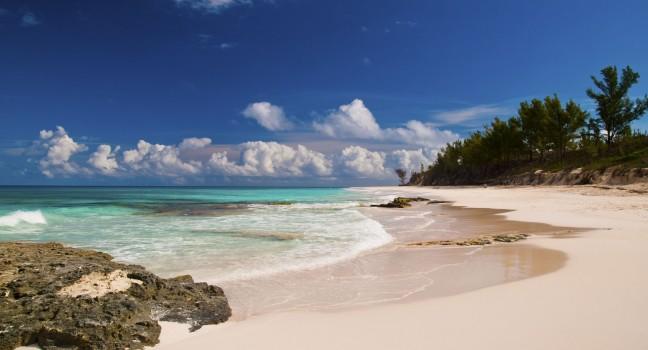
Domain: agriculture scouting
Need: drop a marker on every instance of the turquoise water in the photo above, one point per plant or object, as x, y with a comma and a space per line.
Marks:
215, 234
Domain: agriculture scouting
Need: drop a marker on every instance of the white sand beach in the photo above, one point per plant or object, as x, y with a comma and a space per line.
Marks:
597, 300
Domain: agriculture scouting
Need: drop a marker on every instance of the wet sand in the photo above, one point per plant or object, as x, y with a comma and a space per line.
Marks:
401, 273
593, 299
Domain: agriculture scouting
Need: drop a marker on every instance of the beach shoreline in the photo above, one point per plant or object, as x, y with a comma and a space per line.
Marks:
526, 307
408, 267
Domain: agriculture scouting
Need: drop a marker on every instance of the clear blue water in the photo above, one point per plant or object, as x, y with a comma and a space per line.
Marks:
215, 234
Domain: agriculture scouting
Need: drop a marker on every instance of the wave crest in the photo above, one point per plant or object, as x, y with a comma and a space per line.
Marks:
20, 216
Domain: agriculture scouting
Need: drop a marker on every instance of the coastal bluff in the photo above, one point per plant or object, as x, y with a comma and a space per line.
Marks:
67, 298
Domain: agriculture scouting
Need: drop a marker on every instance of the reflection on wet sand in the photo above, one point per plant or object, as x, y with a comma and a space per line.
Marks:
400, 274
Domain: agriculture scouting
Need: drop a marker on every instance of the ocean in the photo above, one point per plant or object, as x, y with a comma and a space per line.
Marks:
214, 234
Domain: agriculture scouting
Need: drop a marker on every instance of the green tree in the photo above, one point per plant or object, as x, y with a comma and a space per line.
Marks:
401, 175
533, 117
615, 109
590, 138
563, 123
503, 140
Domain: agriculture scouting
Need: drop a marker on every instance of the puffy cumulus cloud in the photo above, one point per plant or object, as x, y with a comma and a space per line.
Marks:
198, 158
272, 159
46, 134
195, 148
159, 160
146, 159
60, 148
104, 160
361, 162
195, 143
192, 157
353, 120
421, 134
268, 116
411, 160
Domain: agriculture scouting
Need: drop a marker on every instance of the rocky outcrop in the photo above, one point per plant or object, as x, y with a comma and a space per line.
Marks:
66, 298
578, 176
617, 175
400, 202
479, 240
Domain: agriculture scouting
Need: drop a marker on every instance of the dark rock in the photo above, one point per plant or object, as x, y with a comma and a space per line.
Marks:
34, 308
479, 240
507, 238
401, 202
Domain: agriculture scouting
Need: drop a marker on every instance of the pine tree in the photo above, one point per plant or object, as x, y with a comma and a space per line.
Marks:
401, 175
563, 123
533, 117
615, 109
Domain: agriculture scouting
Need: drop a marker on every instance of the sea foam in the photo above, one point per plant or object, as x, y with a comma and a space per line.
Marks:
20, 216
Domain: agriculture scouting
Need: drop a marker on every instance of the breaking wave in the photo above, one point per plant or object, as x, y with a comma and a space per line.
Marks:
20, 216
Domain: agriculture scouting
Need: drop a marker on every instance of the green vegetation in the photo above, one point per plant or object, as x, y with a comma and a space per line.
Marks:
402, 175
550, 135
615, 109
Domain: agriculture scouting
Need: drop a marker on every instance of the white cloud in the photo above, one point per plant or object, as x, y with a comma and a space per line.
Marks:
361, 162
272, 159
421, 134
463, 115
160, 160
60, 148
104, 159
355, 120
199, 158
46, 134
194, 143
411, 160
268, 116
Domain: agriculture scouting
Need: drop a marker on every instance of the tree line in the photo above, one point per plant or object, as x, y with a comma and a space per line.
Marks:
546, 131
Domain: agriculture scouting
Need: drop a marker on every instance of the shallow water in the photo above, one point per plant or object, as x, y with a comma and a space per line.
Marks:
215, 234
281, 249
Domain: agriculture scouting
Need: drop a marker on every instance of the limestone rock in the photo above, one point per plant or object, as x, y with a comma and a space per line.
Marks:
66, 298
401, 202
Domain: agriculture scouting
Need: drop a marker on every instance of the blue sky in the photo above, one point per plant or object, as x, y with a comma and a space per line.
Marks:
362, 86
